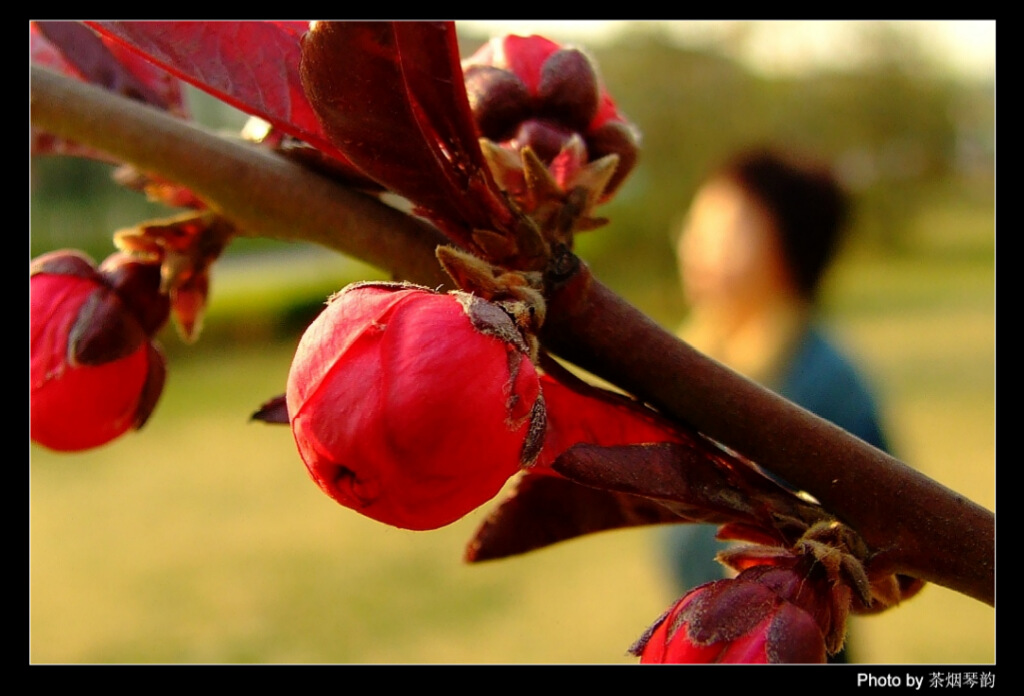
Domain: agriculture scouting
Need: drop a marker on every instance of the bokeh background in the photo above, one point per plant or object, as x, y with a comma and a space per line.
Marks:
201, 539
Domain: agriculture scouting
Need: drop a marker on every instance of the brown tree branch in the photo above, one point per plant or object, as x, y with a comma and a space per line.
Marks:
915, 525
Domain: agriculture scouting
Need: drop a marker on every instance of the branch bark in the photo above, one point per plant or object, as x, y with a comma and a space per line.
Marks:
915, 525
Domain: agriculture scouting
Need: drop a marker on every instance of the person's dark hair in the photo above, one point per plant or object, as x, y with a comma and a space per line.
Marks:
806, 202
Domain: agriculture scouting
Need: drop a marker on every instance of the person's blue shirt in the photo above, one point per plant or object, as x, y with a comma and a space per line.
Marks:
823, 381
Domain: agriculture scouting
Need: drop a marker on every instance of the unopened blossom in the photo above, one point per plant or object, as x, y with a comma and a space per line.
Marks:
766, 614
94, 371
413, 407
528, 92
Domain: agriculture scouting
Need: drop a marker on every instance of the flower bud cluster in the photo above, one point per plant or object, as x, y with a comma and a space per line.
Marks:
531, 93
95, 371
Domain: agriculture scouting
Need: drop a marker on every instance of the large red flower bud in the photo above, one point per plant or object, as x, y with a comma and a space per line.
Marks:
753, 618
413, 407
94, 373
528, 91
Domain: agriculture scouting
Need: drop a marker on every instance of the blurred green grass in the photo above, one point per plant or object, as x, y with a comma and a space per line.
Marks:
201, 539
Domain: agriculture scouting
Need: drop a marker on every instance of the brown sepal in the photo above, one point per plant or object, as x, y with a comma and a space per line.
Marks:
469, 272
492, 319
154, 386
188, 303
533, 443
185, 246
494, 246
104, 330
158, 189
138, 285
744, 556
888, 591
518, 292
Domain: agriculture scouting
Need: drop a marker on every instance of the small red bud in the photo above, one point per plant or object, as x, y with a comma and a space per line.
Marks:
94, 374
498, 99
569, 91
413, 407
757, 617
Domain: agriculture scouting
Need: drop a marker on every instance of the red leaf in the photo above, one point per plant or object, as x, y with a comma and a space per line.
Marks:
432, 75
254, 66
612, 487
391, 96
545, 509
696, 479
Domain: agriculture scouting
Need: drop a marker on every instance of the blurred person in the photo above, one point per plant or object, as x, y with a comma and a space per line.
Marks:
758, 237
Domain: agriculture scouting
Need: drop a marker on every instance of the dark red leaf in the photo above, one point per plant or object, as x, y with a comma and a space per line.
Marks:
546, 509
254, 66
696, 479
391, 96
274, 411
432, 75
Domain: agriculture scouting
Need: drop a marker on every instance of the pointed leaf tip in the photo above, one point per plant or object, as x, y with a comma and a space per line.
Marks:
273, 411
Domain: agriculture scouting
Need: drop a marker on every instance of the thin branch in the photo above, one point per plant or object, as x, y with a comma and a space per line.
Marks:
915, 525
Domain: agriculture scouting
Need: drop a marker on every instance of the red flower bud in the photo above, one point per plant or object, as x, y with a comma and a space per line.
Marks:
413, 407
740, 620
94, 373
